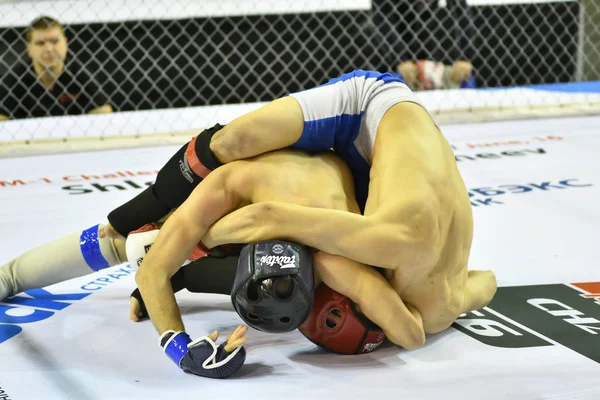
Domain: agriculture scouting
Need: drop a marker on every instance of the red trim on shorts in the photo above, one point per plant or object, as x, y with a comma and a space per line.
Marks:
146, 228
193, 161
199, 251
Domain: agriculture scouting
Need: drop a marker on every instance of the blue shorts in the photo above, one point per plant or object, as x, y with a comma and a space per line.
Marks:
344, 115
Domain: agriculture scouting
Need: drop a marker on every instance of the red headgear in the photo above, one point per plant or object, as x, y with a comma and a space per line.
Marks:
336, 325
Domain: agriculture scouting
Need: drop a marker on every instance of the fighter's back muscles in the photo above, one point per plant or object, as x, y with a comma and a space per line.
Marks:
418, 186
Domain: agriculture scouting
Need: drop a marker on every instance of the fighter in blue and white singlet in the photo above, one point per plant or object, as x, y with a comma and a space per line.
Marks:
344, 113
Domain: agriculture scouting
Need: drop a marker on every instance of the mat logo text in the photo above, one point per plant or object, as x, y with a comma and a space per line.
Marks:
38, 308
502, 154
540, 315
567, 314
491, 194
76, 178
4, 395
41, 304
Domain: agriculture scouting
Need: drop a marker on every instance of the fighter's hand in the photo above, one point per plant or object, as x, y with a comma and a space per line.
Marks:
202, 356
234, 340
108, 230
135, 311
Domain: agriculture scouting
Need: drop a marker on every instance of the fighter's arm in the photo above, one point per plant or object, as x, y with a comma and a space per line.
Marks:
378, 301
177, 238
372, 240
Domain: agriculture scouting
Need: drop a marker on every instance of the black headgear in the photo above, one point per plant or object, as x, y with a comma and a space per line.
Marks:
274, 285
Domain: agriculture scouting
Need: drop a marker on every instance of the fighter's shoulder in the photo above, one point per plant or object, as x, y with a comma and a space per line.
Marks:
239, 177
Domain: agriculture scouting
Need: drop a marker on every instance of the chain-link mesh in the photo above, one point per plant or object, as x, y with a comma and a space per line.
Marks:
147, 55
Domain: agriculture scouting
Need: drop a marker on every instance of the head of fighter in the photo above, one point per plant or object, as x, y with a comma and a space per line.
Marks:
337, 324
273, 289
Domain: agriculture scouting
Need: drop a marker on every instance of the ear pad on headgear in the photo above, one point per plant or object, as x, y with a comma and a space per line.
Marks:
274, 285
336, 325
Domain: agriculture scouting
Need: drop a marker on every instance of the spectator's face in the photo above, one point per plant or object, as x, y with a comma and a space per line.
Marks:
48, 47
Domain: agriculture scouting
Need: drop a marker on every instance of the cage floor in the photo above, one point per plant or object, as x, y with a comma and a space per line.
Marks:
535, 189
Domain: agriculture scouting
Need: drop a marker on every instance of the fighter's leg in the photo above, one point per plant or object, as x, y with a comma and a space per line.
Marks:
274, 126
479, 290
174, 183
211, 275
206, 275
77, 254
314, 120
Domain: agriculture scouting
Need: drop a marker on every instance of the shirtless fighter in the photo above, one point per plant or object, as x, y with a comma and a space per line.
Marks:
416, 220
320, 183
279, 299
